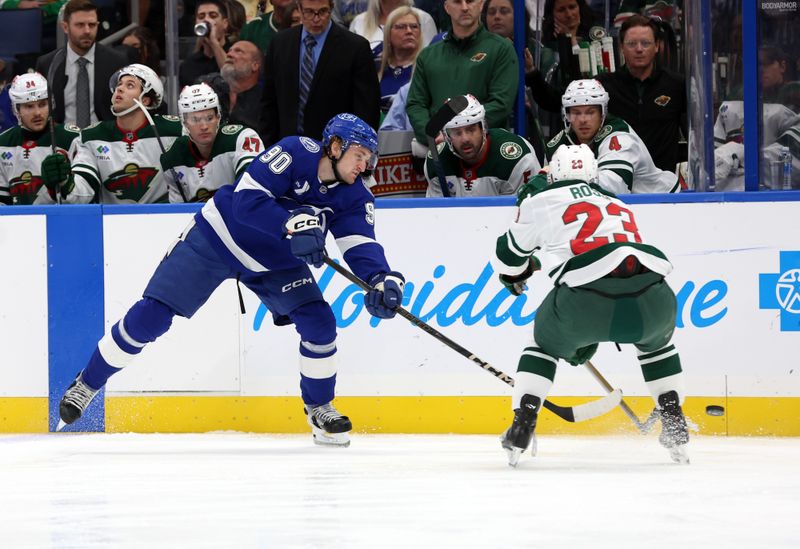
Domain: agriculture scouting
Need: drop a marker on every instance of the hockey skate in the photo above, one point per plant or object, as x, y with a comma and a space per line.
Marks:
75, 400
520, 435
674, 431
328, 426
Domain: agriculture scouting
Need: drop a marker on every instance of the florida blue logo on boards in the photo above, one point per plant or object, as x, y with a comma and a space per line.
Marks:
781, 291
701, 304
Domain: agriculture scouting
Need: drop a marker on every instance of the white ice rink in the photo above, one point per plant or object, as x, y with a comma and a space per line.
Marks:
240, 491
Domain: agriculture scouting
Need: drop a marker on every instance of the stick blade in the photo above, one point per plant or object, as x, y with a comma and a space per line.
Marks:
598, 407
445, 114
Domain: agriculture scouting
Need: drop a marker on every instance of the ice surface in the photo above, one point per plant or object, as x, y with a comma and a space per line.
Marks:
242, 490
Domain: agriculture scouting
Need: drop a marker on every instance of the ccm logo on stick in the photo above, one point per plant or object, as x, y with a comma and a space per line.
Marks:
296, 284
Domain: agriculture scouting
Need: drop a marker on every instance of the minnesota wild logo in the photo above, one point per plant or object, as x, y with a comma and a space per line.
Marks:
23, 189
131, 182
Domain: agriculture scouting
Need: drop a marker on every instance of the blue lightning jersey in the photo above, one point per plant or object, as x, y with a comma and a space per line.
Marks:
245, 222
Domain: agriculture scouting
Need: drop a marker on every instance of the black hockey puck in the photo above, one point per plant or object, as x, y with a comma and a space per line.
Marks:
714, 410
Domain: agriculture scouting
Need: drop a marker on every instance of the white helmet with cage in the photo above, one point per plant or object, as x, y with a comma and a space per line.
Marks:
27, 88
573, 162
473, 113
151, 84
584, 92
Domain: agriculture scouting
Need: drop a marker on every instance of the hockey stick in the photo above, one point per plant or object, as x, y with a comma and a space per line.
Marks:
161, 146
51, 105
643, 426
444, 115
573, 414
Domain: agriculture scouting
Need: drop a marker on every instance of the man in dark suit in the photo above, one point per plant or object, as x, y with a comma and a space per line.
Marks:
79, 79
315, 71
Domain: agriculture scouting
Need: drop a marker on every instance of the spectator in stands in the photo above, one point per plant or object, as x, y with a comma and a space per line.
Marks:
24, 147
396, 119
470, 59
344, 11
479, 161
649, 98
210, 51
315, 72
79, 79
49, 9
148, 53
370, 24
290, 15
117, 161
667, 10
237, 18
401, 45
260, 30
210, 155
243, 103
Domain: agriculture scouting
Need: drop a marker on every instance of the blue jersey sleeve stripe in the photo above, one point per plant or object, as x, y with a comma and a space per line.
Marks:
214, 218
247, 183
346, 243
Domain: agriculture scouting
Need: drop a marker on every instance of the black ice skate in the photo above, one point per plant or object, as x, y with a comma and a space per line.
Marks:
674, 432
520, 435
328, 426
75, 400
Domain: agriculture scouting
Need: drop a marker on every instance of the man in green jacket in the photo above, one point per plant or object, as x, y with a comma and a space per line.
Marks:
471, 60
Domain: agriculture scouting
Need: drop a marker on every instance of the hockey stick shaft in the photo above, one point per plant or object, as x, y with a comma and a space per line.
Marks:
60, 54
161, 146
444, 115
568, 413
643, 427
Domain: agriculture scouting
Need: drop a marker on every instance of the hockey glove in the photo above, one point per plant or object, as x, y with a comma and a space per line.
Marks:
516, 284
386, 295
55, 172
306, 239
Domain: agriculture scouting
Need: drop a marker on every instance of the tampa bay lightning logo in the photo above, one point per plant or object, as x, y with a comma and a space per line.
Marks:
309, 144
301, 187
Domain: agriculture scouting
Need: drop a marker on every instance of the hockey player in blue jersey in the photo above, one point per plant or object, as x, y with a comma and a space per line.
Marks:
264, 230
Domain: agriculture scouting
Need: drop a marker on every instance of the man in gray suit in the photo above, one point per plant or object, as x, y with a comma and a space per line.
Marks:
80, 74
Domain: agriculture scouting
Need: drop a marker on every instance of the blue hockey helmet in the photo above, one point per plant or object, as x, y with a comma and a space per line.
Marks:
352, 131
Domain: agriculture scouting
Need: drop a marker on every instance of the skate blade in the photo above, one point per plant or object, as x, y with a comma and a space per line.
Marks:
61, 425
513, 456
323, 438
679, 454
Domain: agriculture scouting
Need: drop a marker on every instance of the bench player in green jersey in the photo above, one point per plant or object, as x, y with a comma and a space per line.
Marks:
609, 286
210, 156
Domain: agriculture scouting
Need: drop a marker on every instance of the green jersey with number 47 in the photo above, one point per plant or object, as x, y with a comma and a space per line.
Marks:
192, 178
624, 163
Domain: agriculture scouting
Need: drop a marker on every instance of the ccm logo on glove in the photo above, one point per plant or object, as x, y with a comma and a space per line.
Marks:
301, 222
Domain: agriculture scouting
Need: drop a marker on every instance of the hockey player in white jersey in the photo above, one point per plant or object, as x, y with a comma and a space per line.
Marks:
119, 159
609, 286
479, 161
778, 121
198, 164
624, 163
264, 231
24, 147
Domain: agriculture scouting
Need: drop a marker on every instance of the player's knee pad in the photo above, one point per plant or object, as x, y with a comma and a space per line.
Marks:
146, 321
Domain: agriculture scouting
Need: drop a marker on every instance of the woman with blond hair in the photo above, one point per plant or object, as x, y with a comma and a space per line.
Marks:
372, 22
401, 44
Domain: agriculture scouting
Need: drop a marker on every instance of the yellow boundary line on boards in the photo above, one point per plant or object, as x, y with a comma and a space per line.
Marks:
754, 416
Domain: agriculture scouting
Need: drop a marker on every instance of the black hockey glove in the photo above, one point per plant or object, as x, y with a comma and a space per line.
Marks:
387, 294
55, 172
516, 284
306, 239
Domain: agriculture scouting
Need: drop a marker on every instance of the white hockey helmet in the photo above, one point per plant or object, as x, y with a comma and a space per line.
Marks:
584, 92
473, 113
151, 84
573, 162
27, 88
198, 97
